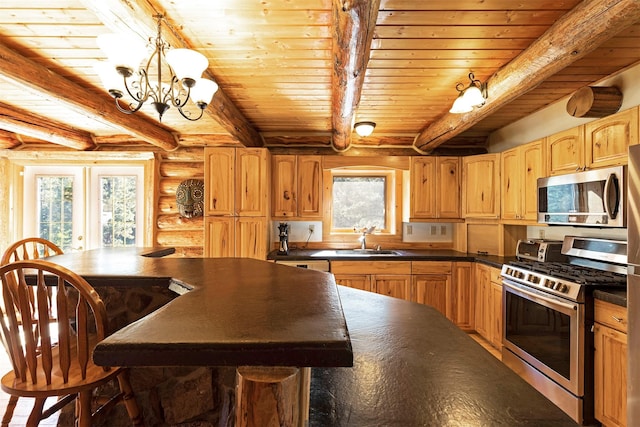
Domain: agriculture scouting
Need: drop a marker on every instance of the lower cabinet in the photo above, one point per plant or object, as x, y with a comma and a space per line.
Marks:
242, 237
391, 278
488, 304
610, 364
444, 285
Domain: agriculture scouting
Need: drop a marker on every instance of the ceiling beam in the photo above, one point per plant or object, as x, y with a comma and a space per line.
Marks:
25, 123
574, 35
354, 22
32, 77
8, 140
136, 19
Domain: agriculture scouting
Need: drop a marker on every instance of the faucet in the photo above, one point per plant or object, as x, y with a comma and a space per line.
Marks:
363, 238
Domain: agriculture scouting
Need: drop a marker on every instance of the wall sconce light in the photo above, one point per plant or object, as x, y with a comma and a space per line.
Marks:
364, 129
473, 95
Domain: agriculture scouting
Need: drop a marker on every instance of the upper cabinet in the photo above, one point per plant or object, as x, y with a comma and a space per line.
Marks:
600, 143
481, 186
435, 188
520, 169
236, 181
297, 186
607, 139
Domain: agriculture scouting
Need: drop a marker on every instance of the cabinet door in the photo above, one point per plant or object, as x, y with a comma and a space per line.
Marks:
433, 290
482, 286
284, 185
462, 296
481, 189
533, 167
607, 139
220, 237
495, 306
423, 188
251, 181
397, 286
310, 186
511, 174
251, 237
448, 187
610, 378
219, 170
565, 151
357, 281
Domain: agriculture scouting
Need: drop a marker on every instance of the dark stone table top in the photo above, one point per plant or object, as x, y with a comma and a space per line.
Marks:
412, 367
617, 297
231, 311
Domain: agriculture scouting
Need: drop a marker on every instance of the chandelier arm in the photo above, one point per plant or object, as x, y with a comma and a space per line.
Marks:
140, 87
130, 109
187, 114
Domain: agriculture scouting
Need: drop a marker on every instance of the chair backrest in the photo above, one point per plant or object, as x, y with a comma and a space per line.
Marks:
30, 248
82, 320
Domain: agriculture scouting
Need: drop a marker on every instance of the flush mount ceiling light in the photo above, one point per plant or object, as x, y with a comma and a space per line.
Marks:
473, 95
123, 75
364, 128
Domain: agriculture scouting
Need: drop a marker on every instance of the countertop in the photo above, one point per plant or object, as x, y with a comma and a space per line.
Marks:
230, 311
412, 367
404, 255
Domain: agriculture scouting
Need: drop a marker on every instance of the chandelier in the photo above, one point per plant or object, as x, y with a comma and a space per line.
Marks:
123, 75
474, 95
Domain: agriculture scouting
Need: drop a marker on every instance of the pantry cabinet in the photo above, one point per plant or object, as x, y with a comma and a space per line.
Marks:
520, 169
610, 364
236, 183
481, 186
435, 188
296, 186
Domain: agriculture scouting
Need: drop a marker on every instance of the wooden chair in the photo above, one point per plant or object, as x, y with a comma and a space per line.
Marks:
29, 248
66, 369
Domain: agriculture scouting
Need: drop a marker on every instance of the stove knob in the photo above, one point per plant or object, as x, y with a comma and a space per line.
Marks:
563, 288
518, 274
550, 284
534, 279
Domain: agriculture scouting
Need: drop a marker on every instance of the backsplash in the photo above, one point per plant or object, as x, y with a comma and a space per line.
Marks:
298, 231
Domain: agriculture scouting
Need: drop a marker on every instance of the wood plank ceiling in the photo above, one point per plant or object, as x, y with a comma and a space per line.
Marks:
299, 73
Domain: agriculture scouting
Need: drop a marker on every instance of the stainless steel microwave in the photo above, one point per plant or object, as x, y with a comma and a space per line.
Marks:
594, 198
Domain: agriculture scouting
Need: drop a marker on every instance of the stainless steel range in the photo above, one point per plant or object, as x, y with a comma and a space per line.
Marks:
548, 315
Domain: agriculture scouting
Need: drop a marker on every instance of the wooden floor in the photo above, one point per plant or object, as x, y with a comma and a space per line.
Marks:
484, 343
24, 404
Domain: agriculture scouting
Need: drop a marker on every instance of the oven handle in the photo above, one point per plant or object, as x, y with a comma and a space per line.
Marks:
611, 179
539, 298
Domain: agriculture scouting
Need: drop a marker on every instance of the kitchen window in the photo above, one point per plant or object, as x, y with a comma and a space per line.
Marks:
362, 199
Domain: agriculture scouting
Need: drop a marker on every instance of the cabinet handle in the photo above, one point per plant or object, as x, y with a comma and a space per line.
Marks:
286, 195
617, 319
215, 202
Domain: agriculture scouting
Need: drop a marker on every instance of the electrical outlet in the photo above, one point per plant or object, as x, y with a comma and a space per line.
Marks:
409, 230
541, 234
312, 228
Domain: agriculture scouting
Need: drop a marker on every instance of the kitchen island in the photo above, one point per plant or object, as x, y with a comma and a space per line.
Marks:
411, 366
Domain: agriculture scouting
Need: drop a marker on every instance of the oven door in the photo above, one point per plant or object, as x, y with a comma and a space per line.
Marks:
547, 332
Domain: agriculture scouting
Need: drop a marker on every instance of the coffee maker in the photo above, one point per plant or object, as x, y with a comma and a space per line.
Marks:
284, 239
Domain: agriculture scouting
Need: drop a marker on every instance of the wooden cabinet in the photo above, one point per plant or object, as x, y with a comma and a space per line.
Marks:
296, 186
462, 296
392, 278
597, 144
565, 151
488, 304
607, 139
610, 364
431, 285
244, 237
520, 169
481, 186
219, 172
435, 188
236, 181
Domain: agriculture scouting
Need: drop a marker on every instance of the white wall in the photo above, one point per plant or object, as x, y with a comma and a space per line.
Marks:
555, 118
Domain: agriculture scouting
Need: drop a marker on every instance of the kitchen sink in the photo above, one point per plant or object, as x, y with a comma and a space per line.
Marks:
355, 252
